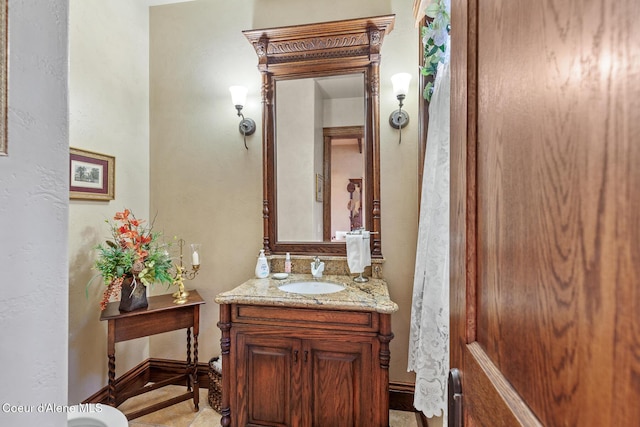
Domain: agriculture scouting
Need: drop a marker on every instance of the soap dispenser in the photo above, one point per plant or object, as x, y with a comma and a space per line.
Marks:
262, 266
287, 263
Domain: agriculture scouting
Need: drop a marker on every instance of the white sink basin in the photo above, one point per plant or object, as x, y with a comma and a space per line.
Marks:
311, 288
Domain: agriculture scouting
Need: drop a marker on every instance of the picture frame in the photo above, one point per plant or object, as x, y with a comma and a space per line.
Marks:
319, 188
4, 52
91, 175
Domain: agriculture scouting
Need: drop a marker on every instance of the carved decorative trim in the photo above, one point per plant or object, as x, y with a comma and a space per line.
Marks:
375, 84
305, 43
317, 43
260, 48
376, 38
326, 54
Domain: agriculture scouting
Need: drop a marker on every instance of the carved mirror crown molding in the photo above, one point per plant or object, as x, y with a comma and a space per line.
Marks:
313, 45
321, 49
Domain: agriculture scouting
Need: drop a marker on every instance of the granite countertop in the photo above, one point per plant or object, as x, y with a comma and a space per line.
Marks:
370, 296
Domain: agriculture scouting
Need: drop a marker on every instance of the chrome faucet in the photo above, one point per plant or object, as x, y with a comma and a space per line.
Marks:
317, 267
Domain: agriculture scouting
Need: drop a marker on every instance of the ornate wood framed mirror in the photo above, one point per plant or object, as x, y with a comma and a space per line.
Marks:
318, 81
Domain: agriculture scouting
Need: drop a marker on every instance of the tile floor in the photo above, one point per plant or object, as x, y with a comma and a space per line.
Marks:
182, 414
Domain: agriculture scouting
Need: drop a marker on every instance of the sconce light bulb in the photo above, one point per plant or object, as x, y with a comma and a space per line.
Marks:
238, 95
400, 83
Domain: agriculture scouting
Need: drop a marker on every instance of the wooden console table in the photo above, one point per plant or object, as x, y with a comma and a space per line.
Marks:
162, 315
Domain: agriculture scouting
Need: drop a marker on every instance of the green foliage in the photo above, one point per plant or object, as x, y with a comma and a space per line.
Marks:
157, 266
434, 38
113, 261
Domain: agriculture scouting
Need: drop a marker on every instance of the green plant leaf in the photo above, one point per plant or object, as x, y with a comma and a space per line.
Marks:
433, 9
428, 91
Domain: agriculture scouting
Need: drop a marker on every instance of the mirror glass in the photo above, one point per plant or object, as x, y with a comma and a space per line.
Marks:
320, 157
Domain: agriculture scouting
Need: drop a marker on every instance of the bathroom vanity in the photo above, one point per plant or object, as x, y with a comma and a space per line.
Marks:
301, 358
294, 359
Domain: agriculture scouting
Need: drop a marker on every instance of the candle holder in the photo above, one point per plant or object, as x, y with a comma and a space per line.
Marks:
183, 273
195, 256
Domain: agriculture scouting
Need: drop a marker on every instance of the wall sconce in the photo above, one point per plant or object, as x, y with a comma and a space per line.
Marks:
239, 97
399, 118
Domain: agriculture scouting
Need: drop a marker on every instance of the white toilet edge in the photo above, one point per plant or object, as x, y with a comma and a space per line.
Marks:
109, 415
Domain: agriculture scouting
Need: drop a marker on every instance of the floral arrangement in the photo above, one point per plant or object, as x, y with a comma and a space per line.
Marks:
135, 251
434, 38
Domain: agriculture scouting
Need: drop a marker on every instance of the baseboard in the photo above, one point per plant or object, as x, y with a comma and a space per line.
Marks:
161, 369
150, 371
401, 399
401, 396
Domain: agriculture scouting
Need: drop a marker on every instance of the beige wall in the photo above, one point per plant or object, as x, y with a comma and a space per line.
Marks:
183, 158
109, 113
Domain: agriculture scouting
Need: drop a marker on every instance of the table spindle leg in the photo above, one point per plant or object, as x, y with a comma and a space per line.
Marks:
189, 367
194, 371
112, 379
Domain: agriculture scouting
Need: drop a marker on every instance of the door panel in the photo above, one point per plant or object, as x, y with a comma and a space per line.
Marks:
545, 211
265, 395
340, 396
501, 405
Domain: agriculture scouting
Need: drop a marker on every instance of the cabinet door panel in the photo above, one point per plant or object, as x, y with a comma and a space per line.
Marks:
264, 382
339, 393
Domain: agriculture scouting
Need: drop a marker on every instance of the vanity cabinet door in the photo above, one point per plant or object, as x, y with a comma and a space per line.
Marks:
338, 382
267, 369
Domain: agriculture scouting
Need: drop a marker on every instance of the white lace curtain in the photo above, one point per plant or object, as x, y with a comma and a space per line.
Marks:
429, 334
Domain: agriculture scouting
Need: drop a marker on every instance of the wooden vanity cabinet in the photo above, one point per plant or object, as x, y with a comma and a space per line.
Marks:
304, 367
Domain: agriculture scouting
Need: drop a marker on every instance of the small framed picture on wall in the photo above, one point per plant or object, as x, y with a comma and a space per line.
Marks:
91, 175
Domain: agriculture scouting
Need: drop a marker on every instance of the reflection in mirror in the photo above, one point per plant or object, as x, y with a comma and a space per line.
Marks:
344, 154
319, 153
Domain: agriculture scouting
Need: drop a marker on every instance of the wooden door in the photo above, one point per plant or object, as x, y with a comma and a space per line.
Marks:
267, 375
339, 392
545, 211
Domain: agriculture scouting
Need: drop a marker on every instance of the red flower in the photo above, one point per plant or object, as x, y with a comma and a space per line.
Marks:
130, 236
144, 239
122, 215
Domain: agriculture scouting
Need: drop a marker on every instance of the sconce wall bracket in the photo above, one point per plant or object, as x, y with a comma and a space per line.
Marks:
399, 119
247, 126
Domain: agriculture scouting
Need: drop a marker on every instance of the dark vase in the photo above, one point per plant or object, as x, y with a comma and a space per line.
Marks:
133, 295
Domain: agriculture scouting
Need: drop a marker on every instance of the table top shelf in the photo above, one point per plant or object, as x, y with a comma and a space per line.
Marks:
157, 304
